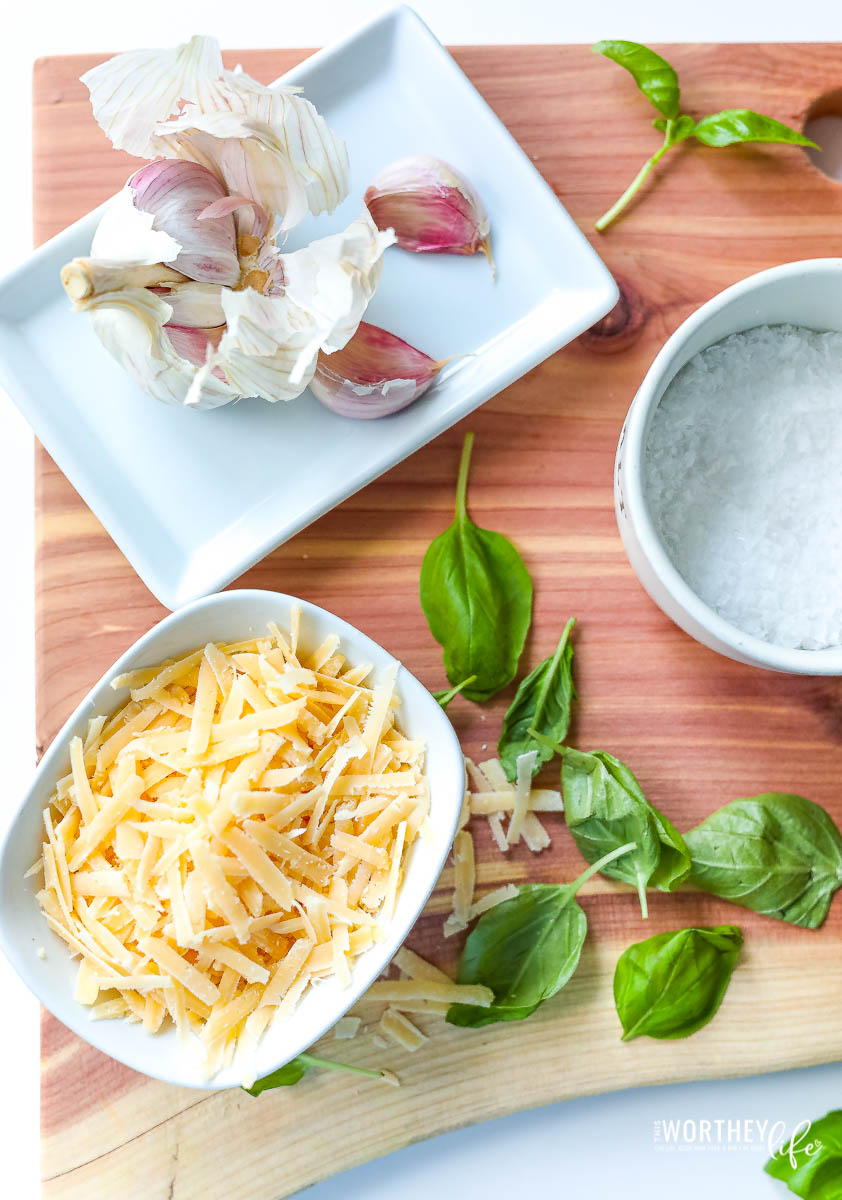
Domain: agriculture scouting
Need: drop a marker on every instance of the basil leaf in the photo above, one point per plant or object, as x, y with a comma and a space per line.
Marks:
810, 1161
285, 1076
740, 125
469, 1016
682, 129
672, 984
445, 697
653, 75
777, 854
525, 949
542, 702
476, 594
295, 1070
604, 807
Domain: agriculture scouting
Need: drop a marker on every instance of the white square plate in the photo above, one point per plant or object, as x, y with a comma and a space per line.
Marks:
195, 498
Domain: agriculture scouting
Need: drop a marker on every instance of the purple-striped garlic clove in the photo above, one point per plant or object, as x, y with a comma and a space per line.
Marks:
178, 195
373, 375
192, 343
431, 206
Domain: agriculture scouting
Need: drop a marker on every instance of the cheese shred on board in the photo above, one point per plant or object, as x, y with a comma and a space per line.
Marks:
234, 833
494, 798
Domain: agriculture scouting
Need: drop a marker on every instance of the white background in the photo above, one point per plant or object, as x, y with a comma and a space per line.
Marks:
602, 1146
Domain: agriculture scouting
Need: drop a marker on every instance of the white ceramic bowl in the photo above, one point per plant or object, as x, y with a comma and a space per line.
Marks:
227, 616
801, 293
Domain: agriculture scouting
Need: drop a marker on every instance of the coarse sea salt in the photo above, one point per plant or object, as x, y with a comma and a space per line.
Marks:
743, 477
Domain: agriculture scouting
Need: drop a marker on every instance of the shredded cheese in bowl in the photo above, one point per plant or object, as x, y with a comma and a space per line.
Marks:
236, 832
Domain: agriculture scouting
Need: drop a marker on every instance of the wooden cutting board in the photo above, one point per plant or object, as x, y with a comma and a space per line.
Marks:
698, 730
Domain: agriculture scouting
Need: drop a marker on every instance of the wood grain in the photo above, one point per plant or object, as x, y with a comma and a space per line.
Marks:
698, 730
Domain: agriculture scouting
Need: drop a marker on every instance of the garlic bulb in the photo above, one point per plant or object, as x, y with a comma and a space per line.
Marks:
375, 374
186, 286
255, 343
431, 207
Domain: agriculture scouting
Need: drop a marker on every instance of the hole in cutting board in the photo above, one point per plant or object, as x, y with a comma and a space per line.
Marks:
824, 126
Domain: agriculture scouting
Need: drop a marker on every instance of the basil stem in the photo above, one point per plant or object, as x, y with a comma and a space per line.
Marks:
445, 697
295, 1070
639, 179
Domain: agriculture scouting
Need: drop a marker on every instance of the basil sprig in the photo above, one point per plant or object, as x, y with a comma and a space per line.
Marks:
476, 594
295, 1070
672, 984
810, 1161
658, 82
777, 854
525, 949
604, 807
542, 702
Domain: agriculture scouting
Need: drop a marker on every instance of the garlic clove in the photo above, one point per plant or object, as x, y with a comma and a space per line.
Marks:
130, 324
179, 196
193, 344
373, 375
431, 206
194, 305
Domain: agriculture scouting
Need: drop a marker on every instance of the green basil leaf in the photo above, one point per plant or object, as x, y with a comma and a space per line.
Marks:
682, 129
445, 697
476, 594
470, 1016
604, 807
285, 1076
740, 125
653, 75
542, 702
525, 949
672, 984
810, 1161
777, 854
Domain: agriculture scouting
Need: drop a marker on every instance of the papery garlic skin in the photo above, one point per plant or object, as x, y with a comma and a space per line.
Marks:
374, 375
271, 343
126, 236
431, 206
269, 144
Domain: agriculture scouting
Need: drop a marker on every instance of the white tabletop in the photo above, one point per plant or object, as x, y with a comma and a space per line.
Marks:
602, 1146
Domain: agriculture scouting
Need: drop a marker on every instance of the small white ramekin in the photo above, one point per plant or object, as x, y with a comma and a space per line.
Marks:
227, 616
805, 293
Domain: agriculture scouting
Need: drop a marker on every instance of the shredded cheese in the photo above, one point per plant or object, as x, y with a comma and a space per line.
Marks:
525, 767
346, 1028
397, 1026
236, 831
